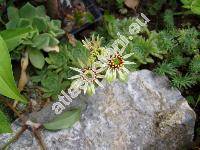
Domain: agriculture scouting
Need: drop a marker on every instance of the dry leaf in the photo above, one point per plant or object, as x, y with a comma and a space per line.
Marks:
23, 77
72, 39
52, 49
132, 3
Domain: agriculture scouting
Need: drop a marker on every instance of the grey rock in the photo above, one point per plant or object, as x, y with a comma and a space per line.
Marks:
144, 113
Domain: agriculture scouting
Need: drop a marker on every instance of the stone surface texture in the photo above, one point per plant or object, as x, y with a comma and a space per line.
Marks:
143, 114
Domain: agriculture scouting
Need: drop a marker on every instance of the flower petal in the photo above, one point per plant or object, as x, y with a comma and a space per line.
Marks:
74, 77
122, 76
76, 69
125, 70
108, 75
101, 69
129, 63
114, 75
100, 76
99, 83
91, 89
127, 55
84, 87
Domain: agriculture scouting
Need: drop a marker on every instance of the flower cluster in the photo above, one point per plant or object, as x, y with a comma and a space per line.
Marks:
102, 63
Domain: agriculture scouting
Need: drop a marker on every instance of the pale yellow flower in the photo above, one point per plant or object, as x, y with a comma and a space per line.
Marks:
95, 48
87, 79
115, 64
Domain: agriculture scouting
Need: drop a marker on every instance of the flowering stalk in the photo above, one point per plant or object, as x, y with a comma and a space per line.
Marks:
102, 63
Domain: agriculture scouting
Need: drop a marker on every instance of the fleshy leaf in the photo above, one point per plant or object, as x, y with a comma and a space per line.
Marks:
36, 57
14, 37
28, 11
64, 121
196, 7
13, 13
40, 23
41, 41
4, 124
8, 87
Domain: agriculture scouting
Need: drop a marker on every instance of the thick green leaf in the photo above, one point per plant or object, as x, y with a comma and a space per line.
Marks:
64, 121
28, 11
36, 57
4, 124
44, 40
40, 23
7, 82
196, 7
187, 2
40, 10
12, 24
14, 37
13, 13
41, 41
24, 23
55, 27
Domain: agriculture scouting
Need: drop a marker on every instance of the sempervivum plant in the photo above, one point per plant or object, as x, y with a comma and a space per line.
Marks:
102, 63
46, 31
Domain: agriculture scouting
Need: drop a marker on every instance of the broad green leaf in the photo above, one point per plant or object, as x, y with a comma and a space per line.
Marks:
40, 10
40, 23
14, 37
7, 83
55, 27
44, 40
12, 24
41, 41
53, 41
36, 57
28, 11
196, 7
187, 2
4, 124
13, 13
64, 121
24, 23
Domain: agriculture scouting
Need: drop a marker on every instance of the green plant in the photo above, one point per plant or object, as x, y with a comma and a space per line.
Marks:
168, 18
113, 25
58, 70
193, 5
70, 117
165, 69
115, 3
156, 6
15, 37
4, 124
7, 84
45, 37
178, 48
144, 49
182, 62
120, 3
183, 82
195, 64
